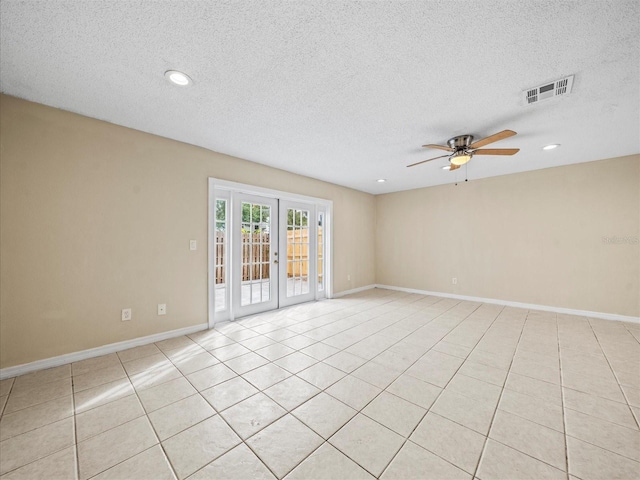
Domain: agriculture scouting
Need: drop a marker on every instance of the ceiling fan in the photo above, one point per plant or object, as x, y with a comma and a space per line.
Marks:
463, 148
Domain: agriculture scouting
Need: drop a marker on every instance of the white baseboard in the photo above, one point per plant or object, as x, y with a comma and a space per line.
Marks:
528, 306
353, 290
96, 352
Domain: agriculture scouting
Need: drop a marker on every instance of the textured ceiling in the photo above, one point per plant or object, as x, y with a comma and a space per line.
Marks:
341, 91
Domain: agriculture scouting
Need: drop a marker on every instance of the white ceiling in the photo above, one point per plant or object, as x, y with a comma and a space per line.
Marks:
342, 91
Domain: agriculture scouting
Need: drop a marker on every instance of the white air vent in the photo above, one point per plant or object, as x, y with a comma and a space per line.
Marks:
555, 89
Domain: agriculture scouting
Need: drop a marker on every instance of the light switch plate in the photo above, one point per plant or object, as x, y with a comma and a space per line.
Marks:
193, 245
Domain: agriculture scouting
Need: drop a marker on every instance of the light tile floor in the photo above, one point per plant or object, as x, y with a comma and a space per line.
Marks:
380, 384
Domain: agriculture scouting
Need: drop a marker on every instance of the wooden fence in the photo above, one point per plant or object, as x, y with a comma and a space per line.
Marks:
255, 248
255, 256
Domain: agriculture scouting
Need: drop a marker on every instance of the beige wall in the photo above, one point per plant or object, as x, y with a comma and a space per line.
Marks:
95, 218
534, 237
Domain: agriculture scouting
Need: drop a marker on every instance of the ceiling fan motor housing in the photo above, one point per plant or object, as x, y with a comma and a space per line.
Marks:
461, 142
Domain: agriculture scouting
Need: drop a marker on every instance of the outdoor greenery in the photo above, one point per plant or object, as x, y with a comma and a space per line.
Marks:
258, 214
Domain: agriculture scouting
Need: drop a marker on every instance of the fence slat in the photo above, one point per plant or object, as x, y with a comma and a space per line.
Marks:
255, 257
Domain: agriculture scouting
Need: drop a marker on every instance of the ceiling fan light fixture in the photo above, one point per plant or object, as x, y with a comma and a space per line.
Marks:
460, 158
381, 180
551, 146
447, 167
178, 78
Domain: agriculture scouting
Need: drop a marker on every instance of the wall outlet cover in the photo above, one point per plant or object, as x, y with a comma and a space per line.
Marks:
162, 309
126, 314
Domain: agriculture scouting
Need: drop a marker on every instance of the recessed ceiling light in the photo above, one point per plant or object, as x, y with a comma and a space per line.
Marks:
447, 167
551, 147
381, 180
178, 78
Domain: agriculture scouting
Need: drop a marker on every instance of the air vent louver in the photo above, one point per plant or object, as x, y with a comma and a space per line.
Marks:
547, 91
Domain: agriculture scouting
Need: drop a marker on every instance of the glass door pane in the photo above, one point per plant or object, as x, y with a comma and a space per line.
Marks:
298, 241
321, 285
255, 247
256, 259
221, 248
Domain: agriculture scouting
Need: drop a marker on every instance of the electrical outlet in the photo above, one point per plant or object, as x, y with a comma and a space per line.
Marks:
454, 281
162, 309
126, 314
193, 245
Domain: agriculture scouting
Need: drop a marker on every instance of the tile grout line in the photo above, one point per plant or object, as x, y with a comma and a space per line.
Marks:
442, 389
613, 423
242, 440
371, 319
288, 412
39, 403
564, 417
360, 411
198, 392
329, 323
562, 393
160, 444
363, 323
629, 331
624, 395
145, 414
326, 441
589, 415
75, 427
74, 412
495, 412
72, 416
4, 407
366, 360
315, 342
217, 412
153, 428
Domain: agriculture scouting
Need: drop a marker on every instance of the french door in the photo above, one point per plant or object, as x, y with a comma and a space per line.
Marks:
298, 244
254, 256
265, 251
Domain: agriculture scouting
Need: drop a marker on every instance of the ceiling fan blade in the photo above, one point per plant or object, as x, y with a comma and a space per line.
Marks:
493, 138
424, 161
496, 151
439, 147
454, 167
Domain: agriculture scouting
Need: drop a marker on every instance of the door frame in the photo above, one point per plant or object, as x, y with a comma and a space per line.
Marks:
219, 188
